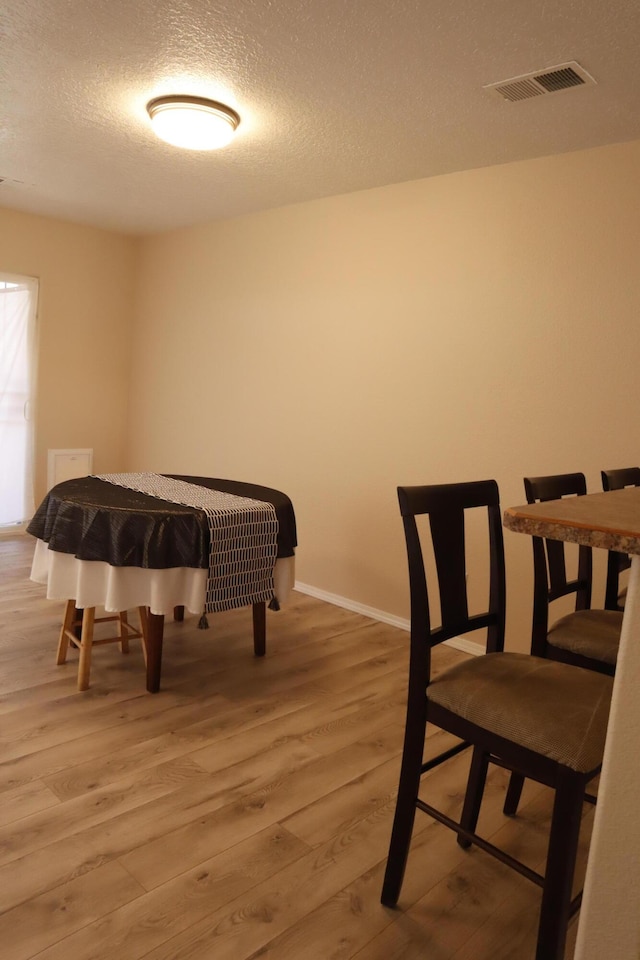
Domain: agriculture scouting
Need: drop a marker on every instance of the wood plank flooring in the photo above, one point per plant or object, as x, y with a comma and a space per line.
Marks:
242, 812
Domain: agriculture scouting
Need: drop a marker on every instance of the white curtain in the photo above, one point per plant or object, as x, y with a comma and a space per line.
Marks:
18, 303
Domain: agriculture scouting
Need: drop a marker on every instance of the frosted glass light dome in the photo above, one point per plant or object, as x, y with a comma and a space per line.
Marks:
193, 123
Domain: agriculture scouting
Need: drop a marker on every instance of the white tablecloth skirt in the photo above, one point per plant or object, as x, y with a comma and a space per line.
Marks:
94, 583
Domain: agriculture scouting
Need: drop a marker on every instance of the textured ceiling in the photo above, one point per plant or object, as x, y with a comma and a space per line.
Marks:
334, 95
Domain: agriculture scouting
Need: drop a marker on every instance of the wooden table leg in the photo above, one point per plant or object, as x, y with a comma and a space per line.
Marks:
178, 613
155, 630
86, 644
259, 629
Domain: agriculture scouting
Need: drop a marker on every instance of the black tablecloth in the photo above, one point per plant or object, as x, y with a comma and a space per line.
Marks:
96, 520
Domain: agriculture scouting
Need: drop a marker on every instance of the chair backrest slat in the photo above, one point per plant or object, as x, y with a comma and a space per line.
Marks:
447, 536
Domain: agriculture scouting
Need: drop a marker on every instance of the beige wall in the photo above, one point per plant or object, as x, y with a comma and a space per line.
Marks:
86, 281
482, 324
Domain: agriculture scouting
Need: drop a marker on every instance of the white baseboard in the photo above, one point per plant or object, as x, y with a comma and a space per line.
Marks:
13, 530
458, 643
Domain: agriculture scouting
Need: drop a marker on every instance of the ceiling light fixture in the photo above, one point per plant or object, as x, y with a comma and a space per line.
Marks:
194, 123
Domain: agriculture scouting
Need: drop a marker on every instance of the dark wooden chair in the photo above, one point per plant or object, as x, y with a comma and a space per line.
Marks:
585, 637
544, 719
615, 596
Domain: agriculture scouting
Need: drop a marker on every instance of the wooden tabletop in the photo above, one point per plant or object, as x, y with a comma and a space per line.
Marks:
609, 520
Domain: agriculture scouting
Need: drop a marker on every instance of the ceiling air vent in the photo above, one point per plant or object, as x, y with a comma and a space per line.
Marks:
562, 77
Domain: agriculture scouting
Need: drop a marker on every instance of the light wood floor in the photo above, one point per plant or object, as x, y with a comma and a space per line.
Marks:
242, 812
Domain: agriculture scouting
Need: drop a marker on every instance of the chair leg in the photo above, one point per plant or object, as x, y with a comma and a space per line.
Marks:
514, 792
473, 796
408, 787
561, 860
86, 642
67, 624
77, 616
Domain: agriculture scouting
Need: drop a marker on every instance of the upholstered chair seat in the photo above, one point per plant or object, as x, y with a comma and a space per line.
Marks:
538, 704
591, 633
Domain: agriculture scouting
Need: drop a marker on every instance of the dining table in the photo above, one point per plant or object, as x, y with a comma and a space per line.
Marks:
102, 542
609, 923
